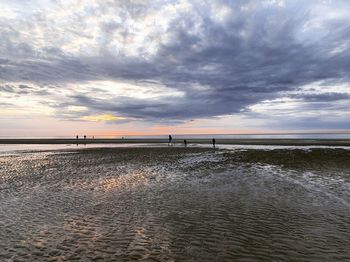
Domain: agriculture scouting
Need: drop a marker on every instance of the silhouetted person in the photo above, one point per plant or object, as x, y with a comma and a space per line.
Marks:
77, 137
170, 139
214, 142
84, 137
185, 142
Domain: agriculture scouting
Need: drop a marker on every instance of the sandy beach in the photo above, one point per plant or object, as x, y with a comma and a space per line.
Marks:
175, 204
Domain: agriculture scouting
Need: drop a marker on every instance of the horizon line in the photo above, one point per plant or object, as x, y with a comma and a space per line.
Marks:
345, 132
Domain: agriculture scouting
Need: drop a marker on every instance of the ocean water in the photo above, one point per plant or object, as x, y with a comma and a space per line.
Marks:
257, 136
175, 204
218, 136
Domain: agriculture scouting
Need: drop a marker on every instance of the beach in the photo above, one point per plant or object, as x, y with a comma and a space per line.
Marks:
175, 204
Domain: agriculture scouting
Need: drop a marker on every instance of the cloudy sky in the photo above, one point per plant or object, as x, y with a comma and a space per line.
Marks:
113, 67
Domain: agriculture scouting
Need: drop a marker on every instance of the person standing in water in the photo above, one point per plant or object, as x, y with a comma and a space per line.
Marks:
84, 137
170, 139
77, 137
214, 142
185, 142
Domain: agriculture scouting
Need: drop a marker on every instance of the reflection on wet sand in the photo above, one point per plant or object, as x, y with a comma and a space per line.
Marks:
175, 204
128, 181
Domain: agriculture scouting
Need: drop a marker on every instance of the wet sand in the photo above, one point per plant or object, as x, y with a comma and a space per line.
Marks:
175, 204
285, 142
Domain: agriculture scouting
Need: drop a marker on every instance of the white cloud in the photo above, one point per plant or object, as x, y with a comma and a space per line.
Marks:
175, 60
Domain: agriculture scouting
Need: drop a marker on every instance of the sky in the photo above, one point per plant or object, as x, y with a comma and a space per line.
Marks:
139, 67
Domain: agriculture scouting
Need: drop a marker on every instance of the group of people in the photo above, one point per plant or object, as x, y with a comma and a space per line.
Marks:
77, 137
185, 141
169, 142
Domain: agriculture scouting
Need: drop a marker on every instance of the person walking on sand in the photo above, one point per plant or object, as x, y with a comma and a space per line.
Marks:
170, 140
185, 142
214, 142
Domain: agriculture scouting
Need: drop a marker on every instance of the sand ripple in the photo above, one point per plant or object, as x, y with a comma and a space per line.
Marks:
161, 204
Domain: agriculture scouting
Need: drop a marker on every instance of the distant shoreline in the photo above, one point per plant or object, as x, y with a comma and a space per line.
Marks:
231, 141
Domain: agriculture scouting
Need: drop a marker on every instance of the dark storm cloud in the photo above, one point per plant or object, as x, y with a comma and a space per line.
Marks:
21, 89
25, 87
313, 123
238, 71
325, 97
221, 63
129, 107
36, 70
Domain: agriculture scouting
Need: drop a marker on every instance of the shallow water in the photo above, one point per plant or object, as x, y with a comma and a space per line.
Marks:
175, 204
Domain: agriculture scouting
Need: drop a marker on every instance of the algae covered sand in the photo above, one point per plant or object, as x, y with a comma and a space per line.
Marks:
175, 204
